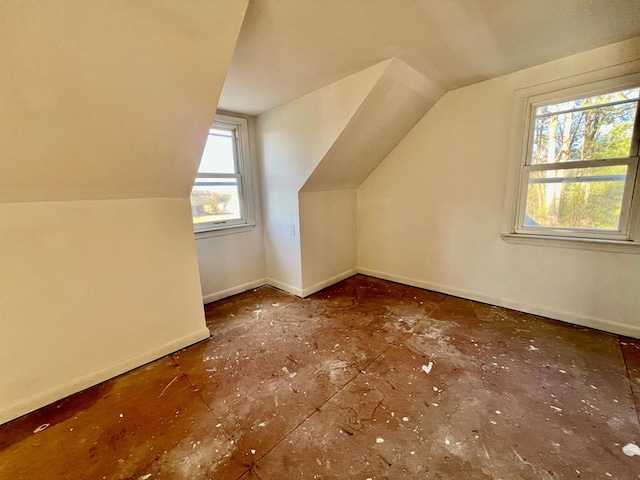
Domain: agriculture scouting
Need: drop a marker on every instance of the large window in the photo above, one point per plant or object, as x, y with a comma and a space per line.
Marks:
221, 195
579, 178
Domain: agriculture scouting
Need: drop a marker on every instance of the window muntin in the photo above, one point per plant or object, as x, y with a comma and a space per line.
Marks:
580, 198
585, 129
220, 197
580, 170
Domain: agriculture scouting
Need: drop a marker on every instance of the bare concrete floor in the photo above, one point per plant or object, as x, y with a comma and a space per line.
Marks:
365, 380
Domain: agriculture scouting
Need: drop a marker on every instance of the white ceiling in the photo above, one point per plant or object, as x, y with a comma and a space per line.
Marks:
288, 48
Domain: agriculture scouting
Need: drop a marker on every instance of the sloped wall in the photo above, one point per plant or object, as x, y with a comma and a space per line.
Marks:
431, 214
400, 98
292, 140
106, 106
327, 200
315, 151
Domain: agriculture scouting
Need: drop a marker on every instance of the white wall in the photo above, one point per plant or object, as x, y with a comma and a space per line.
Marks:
90, 289
106, 108
315, 151
292, 139
233, 261
431, 214
328, 236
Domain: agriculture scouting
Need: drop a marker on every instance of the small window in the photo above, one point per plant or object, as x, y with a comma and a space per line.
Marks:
579, 176
221, 194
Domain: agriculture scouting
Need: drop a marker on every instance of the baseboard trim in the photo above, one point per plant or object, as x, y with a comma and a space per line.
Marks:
89, 380
328, 282
283, 286
582, 320
212, 297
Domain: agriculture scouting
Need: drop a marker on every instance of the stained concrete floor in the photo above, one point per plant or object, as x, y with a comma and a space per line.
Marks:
365, 380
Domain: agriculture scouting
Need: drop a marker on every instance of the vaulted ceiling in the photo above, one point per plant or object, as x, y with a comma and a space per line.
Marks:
288, 48
104, 99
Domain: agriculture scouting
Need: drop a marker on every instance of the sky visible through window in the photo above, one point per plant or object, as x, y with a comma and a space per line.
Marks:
592, 128
216, 199
585, 129
218, 155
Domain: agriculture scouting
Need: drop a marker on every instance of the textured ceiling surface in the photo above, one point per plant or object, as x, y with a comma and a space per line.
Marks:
288, 48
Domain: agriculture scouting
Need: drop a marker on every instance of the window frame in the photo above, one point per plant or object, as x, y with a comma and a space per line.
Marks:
239, 126
514, 229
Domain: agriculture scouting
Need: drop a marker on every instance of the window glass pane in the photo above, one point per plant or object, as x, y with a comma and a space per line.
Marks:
622, 95
214, 203
585, 129
218, 155
576, 198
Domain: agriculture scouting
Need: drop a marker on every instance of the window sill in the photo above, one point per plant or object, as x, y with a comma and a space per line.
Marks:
228, 230
619, 246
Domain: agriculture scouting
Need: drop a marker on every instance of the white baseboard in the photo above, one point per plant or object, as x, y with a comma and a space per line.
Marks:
283, 286
299, 292
212, 297
328, 282
83, 382
582, 320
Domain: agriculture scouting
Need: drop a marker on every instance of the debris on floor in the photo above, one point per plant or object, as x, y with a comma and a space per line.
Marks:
344, 385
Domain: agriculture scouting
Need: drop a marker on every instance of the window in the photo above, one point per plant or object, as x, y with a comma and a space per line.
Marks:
221, 195
579, 178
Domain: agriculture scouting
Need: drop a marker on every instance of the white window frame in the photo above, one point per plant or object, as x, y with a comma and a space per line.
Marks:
627, 238
239, 126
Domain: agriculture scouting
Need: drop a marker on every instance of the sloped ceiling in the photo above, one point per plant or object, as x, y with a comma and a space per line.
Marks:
400, 97
109, 99
288, 48
296, 136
